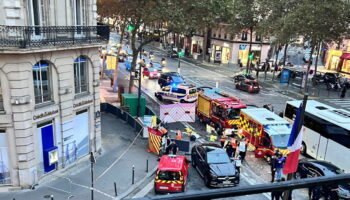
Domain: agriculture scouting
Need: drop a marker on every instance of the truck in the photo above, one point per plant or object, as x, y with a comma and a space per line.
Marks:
218, 109
265, 130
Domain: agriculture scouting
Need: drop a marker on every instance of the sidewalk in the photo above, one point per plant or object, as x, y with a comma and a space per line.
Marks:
109, 168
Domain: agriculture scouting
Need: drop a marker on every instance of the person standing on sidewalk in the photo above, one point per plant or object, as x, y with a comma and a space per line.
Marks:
279, 164
233, 143
242, 148
173, 148
273, 167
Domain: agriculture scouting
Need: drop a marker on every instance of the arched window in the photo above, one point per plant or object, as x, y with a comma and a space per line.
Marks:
80, 75
42, 82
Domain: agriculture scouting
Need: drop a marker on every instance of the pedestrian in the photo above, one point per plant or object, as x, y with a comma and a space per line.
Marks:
279, 164
242, 149
343, 92
229, 150
233, 143
223, 140
172, 148
273, 168
178, 135
238, 163
276, 195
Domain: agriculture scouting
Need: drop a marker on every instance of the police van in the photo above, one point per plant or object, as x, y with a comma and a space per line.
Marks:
180, 93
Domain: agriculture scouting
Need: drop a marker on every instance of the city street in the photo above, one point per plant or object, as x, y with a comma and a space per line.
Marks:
255, 170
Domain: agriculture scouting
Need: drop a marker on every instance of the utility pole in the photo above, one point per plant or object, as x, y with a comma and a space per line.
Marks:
139, 89
300, 125
92, 162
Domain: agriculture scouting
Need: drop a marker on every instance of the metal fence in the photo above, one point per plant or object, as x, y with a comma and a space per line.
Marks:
132, 121
38, 36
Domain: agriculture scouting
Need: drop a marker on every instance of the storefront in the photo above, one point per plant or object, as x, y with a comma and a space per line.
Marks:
243, 52
345, 64
333, 59
5, 178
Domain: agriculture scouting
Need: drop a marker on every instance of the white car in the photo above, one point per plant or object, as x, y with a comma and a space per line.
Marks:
180, 93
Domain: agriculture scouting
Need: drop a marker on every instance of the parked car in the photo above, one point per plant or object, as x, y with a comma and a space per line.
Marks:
172, 54
313, 168
180, 93
214, 165
171, 175
241, 77
248, 86
151, 73
170, 78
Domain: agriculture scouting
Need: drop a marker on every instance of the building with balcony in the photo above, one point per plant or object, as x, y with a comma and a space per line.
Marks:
227, 47
49, 94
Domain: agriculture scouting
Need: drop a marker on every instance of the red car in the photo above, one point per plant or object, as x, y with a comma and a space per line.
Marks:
171, 175
151, 73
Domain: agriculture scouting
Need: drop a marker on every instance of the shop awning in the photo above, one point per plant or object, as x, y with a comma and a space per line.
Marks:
345, 56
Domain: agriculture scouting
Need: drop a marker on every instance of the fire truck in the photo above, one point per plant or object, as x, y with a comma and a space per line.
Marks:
265, 130
218, 109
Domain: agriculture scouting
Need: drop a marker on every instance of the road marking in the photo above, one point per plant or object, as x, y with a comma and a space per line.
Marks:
144, 191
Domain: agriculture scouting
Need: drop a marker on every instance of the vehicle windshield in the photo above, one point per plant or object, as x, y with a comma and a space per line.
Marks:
218, 158
233, 113
280, 141
193, 91
169, 175
177, 79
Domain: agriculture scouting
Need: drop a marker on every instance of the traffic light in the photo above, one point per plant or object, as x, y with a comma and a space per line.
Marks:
251, 56
130, 28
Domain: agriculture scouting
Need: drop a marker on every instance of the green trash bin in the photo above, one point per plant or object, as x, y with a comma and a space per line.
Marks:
130, 100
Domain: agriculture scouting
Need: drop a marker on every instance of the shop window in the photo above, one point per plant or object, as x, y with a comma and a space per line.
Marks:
42, 82
5, 177
225, 36
244, 35
80, 75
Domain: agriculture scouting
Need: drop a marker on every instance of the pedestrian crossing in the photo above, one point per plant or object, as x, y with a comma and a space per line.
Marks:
341, 103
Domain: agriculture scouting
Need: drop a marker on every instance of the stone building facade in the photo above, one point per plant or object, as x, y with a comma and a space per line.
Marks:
49, 76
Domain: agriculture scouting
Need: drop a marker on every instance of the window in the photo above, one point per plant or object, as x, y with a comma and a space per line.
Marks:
258, 38
79, 11
42, 82
244, 35
80, 75
5, 177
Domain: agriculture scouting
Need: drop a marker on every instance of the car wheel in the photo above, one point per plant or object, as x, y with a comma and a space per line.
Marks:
237, 86
182, 101
193, 162
160, 98
218, 128
183, 188
201, 120
303, 149
206, 181
297, 175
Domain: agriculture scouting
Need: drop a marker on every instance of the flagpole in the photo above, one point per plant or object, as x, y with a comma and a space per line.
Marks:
300, 125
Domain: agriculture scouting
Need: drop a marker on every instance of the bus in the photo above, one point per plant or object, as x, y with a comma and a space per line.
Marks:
327, 132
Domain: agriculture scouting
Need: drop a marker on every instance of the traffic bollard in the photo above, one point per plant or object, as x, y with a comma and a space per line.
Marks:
133, 175
115, 189
147, 165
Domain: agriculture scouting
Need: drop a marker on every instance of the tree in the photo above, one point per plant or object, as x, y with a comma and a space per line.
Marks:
318, 21
246, 15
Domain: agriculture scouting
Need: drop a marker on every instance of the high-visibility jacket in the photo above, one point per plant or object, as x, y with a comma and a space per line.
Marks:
179, 136
234, 144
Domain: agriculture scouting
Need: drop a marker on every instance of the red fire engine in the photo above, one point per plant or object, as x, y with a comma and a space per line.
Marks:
218, 109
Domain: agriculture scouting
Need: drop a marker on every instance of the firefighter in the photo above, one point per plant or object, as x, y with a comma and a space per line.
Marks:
233, 143
178, 135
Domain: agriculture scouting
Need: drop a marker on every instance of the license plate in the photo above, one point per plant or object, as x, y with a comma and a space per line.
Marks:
163, 187
226, 182
255, 87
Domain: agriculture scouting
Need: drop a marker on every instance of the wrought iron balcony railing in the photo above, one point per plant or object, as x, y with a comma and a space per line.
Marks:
41, 36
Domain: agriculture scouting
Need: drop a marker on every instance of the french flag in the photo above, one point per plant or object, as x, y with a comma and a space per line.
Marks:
294, 146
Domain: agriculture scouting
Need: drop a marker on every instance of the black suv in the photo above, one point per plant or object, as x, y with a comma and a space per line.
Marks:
214, 165
170, 78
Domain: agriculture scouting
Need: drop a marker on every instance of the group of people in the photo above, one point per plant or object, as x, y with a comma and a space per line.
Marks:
235, 148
